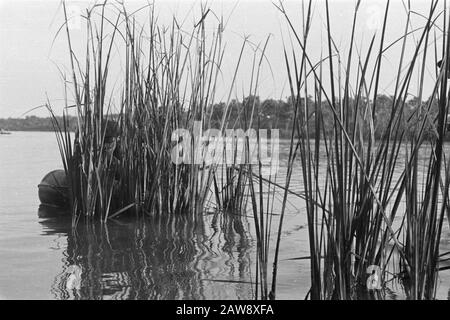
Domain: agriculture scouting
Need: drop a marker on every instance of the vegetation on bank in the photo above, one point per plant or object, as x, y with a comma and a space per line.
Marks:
273, 114
32, 123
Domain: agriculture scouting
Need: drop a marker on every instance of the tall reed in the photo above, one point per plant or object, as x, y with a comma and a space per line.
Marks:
169, 82
352, 213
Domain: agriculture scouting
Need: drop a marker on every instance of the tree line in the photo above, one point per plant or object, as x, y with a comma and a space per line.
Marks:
279, 114
33, 123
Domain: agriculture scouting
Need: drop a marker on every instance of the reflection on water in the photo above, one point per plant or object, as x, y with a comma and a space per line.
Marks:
212, 258
155, 258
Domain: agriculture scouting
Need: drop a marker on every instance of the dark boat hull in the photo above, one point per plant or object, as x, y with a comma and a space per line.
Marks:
46, 211
54, 190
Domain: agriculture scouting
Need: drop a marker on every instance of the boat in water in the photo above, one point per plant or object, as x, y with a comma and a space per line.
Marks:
2, 131
54, 190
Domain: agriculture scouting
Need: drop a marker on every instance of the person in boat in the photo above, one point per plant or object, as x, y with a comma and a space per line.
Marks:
109, 149
54, 189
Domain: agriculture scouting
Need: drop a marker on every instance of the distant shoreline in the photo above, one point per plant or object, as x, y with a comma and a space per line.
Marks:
33, 123
31, 130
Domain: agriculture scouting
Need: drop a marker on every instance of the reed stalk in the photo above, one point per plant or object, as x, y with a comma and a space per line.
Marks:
351, 214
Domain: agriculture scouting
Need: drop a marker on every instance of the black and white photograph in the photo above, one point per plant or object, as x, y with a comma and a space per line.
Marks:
237, 151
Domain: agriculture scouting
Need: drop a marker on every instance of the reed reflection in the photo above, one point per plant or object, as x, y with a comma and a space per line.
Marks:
227, 256
154, 258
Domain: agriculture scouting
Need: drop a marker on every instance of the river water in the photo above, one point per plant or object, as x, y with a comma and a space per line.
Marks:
155, 258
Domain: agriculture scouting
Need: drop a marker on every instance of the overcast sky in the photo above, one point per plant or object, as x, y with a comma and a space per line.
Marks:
28, 60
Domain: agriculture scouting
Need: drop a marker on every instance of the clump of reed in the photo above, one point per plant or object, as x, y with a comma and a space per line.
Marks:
352, 215
169, 81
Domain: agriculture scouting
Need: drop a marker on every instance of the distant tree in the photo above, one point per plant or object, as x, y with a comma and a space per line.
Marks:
279, 114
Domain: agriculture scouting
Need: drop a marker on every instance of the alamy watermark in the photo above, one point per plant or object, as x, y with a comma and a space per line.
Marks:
73, 17
374, 17
232, 147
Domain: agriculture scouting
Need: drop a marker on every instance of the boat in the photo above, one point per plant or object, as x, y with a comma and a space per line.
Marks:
54, 190
2, 131
50, 212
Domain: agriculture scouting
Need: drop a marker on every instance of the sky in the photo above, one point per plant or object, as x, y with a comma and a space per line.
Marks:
31, 57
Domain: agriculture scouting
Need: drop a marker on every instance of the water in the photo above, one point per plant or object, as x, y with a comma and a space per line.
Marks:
213, 258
